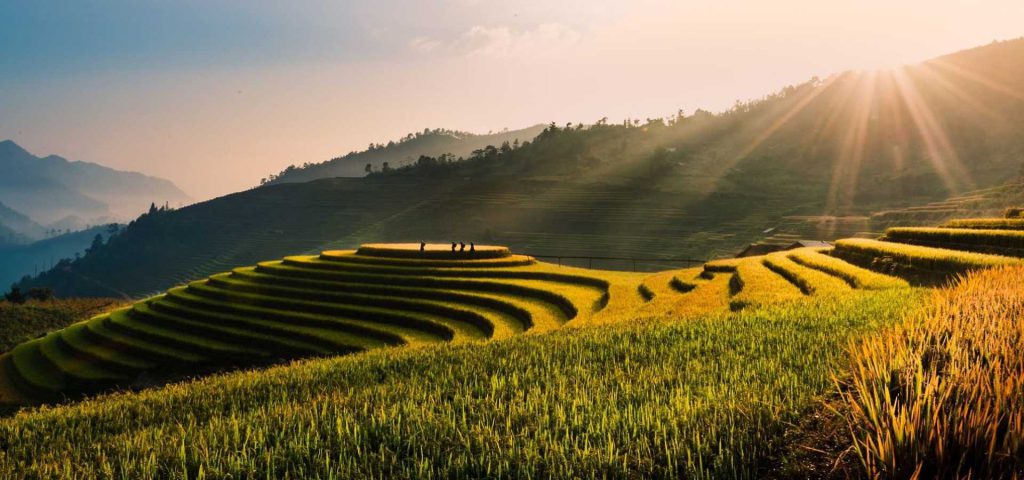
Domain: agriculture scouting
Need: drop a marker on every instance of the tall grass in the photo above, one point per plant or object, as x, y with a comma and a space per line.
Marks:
943, 396
702, 398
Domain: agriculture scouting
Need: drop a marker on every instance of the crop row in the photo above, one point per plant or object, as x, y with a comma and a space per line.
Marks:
755, 284
302, 306
915, 257
982, 241
855, 276
986, 223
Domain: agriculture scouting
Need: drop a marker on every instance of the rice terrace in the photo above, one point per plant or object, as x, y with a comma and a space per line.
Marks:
825, 281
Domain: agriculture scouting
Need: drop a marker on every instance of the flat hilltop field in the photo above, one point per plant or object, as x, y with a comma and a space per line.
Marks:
391, 362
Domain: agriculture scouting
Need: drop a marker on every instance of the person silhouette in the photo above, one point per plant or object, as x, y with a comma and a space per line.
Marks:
472, 247
453, 246
462, 247
423, 246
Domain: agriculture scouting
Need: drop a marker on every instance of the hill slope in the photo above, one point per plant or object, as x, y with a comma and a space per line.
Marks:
698, 186
51, 188
406, 151
17, 261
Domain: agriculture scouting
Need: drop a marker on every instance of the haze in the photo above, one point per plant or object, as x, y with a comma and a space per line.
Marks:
216, 95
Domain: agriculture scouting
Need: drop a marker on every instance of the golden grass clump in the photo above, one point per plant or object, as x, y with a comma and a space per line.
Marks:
942, 396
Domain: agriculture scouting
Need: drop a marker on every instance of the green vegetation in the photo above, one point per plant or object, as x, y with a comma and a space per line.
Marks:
1004, 242
548, 370
939, 396
22, 322
701, 398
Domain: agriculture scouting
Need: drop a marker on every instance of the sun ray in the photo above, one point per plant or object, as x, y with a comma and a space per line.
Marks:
933, 77
846, 171
987, 82
939, 149
785, 118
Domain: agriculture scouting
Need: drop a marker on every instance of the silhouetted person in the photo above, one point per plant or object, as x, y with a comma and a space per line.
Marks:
462, 247
472, 247
423, 246
453, 246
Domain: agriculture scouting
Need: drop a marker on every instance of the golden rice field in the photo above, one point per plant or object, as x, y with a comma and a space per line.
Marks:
392, 362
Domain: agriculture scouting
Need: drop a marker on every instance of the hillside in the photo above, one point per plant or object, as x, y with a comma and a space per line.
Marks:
50, 189
405, 151
811, 161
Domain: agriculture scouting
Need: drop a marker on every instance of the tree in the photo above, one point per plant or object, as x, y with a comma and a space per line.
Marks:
369, 168
97, 242
15, 296
42, 294
386, 167
152, 208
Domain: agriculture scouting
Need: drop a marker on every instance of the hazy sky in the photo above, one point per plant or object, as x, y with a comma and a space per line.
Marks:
215, 95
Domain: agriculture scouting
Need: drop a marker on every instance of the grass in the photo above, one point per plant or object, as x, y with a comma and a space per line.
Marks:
986, 223
927, 259
1009, 242
940, 395
700, 398
855, 276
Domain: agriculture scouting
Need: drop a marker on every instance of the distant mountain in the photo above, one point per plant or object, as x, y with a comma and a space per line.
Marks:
813, 160
17, 261
50, 189
16, 227
406, 151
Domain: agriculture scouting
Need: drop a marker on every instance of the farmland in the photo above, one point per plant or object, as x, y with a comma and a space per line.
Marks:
391, 361
571, 403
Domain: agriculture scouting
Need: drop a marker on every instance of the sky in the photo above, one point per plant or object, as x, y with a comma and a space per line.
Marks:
216, 94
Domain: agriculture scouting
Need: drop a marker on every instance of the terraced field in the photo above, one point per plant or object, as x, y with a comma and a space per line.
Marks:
387, 295
337, 302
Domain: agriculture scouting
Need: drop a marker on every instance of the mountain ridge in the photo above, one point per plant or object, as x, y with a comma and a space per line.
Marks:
48, 189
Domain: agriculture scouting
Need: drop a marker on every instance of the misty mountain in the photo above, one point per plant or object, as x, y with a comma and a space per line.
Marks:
16, 227
812, 160
405, 151
52, 189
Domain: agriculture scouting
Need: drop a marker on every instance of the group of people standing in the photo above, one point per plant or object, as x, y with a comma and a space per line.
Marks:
461, 246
